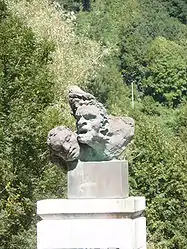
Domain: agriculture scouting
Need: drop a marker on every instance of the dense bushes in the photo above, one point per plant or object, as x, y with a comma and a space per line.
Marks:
165, 72
37, 61
25, 91
150, 52
158, 168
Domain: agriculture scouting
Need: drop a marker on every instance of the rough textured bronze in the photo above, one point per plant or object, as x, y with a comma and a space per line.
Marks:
99, 137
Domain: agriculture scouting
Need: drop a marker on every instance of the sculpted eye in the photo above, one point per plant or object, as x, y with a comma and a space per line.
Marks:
67, 139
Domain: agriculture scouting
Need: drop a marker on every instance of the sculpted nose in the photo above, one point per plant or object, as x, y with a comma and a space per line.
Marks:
66, 146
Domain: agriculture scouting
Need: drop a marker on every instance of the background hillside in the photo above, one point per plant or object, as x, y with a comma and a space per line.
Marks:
106, 47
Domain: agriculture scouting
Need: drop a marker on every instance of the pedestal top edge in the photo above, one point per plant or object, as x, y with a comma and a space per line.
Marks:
69, 206
103, 162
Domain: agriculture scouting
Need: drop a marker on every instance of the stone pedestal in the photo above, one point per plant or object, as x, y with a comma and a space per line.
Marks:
97, 214
99, 180
96, 223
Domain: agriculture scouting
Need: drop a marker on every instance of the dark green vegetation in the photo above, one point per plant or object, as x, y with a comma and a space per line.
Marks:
25, 91
147, 43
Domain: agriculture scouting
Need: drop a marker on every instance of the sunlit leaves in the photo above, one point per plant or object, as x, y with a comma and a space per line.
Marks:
165, 73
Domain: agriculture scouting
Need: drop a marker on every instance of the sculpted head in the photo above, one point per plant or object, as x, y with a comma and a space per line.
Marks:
99, 137
63, 144
91, 118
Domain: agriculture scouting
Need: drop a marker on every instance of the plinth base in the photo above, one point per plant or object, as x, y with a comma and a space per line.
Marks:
92, 223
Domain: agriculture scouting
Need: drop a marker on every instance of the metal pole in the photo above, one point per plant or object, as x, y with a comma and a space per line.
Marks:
132, 87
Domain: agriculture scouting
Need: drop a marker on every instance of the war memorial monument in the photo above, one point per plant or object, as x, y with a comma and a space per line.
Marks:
98, 212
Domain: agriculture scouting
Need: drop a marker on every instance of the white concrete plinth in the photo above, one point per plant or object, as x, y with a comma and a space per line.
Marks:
92, 223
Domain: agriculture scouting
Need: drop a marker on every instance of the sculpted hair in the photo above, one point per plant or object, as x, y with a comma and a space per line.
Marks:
78, 97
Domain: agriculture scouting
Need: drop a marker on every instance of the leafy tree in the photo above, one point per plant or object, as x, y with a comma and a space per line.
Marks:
105, 23
153, 22
158, 172
165, 73
25, 91
177, 8
44, 51
75, 5
151, 52
70, 5
37, 63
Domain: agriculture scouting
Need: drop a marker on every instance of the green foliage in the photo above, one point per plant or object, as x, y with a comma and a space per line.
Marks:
149, 50
158, 165
75, 5
37, 63
2, 10
70, 5
25, 92
75, 57
106, 21
44, 51
154, 22
165, 73
177, 8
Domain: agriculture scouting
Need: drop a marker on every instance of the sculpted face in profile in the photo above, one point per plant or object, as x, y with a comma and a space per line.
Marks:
99, 136
63, 145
